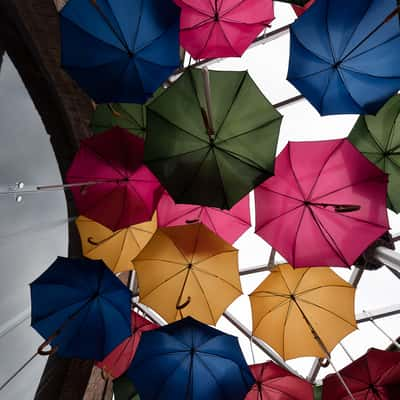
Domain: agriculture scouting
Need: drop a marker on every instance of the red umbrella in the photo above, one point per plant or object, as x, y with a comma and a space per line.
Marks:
222, 28
228, 224
275, 383
374, 376
299, 10
113, 187
118, 361
325, 205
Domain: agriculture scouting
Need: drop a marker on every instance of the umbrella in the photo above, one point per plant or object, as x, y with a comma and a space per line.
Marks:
118, 190
378, 138
189, 360
60, 4
344, 55
276, 383
80, 308
324, 206
117, 249
222, 28
123, 389
374, 376
118, 361
211, 158
120, 51
300, 9
188, 270
227, 224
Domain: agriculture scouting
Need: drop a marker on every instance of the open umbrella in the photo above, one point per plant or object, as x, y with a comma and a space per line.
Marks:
116, 248
218, 144
325, 205
222, 28
120, 51
374, 376
378, 138
112, 186
227, 224
118, 361
343, 55
80, 308
276, 383
300, 9
188, 360
188, 270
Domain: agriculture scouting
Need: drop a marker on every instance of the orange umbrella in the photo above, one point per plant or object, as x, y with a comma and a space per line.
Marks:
188, 271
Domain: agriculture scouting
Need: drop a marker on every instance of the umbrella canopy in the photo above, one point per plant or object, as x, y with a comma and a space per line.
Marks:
211, 158
304, 311
117, 249
227, 224
120, 51
374, 376
123, 389
276, 383
301, 9
378, 138
188, 270
81, 307
188, 360
118, 361
222, 28
346, 62
118, 190
325, 205
60, 4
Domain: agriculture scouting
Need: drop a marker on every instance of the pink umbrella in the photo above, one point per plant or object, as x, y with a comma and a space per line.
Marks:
324, 206
118, 361
222, 28
228, 224
110, 184
299, 10
276, 383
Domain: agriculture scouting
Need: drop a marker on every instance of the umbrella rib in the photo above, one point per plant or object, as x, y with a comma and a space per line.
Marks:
177, 155
280, 390
289, 308
294, 248
177, 217
195, 9
340, 75
199, 24
121, 248
122, 209
211, 220
391, 135
294, 173
282, 194
214, 255
323, 287
220, 178
393, 162
237, 217
217, 277
196, 243
312, 74
105, 353
322, 100
357, 71
227, 40
138, 25
286, 301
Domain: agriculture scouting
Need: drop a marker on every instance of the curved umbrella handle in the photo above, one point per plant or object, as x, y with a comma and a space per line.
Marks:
192, 221
324, 362
345, 208
91, 241
41, 349
183, 305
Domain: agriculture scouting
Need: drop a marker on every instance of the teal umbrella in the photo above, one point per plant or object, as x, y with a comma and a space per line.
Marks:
378, 138
211, 137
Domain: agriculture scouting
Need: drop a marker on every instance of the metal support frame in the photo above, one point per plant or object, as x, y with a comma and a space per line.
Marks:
388, 257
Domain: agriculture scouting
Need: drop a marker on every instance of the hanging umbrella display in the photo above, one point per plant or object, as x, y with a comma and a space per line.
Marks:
222, 28
346, 62
118, 361
117, 249
120, 51
80, 308
190, 360
109, 182
374, 376
218, 144
300, 9
227, 224
123, 389
188, 270
325, 205
276, 383
378, 138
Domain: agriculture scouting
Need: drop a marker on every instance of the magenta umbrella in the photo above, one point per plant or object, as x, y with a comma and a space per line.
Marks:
299, 10
325, 205
109, 182
228, 224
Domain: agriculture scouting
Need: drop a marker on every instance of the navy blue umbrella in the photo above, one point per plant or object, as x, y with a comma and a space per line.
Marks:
81, 307
188, 360
345, 55
119, 50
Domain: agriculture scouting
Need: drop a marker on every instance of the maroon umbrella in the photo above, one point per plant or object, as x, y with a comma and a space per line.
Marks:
275, 383
374, 376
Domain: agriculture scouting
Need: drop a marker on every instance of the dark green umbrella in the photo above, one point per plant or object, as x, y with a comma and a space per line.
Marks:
124, 390
211, 138
378, 138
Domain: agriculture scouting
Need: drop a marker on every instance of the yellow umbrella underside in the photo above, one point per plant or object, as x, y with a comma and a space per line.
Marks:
117, 249
292, 303
188, 270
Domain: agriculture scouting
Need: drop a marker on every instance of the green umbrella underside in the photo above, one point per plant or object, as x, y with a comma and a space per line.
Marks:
124, 390
211, 158
378, 138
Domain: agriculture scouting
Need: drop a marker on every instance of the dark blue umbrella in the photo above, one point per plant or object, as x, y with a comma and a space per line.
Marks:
345, 55
81, 307
188, 360
119, 50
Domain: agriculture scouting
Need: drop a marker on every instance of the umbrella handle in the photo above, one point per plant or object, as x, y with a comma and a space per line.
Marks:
106, 375
324, 362
345, 208
46, 343
183, 305
91, 241
192, 221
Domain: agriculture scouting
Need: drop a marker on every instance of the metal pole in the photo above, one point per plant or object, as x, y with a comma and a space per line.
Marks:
207, 92
388, 257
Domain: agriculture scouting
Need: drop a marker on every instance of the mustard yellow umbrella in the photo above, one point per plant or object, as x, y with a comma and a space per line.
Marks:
188, 271
303, 311
116, 248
